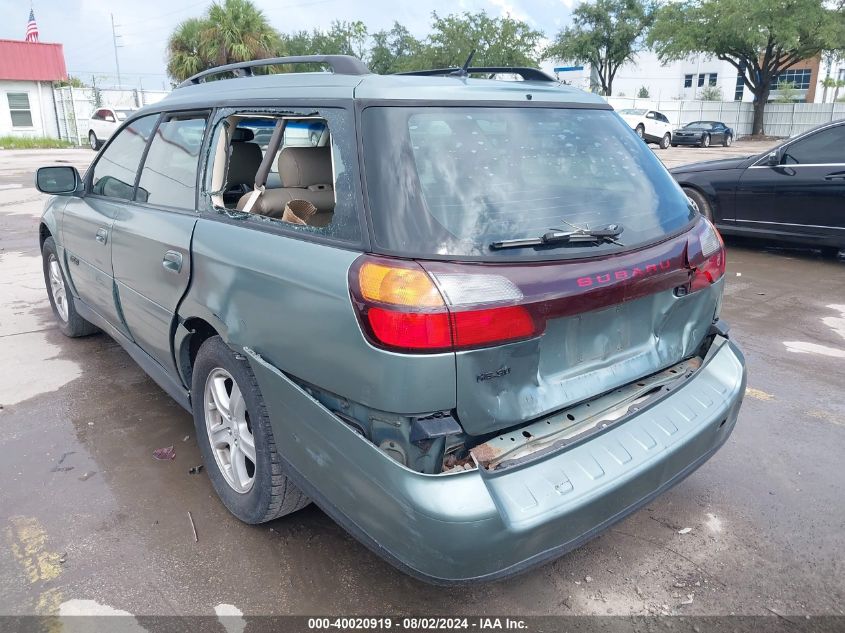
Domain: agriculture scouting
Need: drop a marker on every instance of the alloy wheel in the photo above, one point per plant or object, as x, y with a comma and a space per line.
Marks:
229, 431
57, 287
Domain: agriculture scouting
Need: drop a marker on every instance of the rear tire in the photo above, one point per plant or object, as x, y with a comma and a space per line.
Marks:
705, 140
664, 142
228, 405
70, 323
700, 202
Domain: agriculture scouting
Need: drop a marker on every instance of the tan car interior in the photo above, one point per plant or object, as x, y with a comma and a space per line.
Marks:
306, 175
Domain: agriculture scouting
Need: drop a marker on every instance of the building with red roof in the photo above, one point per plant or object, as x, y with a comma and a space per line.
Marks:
27, 70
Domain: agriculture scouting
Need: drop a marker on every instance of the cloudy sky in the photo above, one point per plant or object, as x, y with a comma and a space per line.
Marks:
84, 26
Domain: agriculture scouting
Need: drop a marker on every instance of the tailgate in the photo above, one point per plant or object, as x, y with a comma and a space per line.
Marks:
608, 322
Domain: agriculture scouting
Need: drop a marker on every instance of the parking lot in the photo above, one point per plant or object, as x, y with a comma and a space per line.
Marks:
87, 514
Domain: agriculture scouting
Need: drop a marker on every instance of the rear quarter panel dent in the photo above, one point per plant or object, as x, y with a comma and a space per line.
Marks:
289, 300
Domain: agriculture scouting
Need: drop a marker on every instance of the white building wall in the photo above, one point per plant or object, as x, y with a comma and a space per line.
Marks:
663, 81
41, 107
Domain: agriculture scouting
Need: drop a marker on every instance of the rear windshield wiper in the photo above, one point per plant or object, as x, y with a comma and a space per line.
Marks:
554, 236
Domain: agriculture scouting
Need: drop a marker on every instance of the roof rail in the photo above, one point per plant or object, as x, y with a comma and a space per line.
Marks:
340, 65
528, 74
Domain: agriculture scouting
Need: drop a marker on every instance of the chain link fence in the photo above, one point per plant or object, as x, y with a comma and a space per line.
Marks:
74, 107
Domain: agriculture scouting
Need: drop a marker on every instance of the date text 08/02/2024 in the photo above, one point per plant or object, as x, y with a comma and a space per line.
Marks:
417, 623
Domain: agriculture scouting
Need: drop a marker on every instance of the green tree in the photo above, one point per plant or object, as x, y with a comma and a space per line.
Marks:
710, 93
829, 58
501, 41
230, 31
760, 38
75, 82
604, 34
786, 92
394, 51
836, 84
186, 54
643, 93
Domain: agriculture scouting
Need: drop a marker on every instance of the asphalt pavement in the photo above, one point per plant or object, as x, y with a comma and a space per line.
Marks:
90, 522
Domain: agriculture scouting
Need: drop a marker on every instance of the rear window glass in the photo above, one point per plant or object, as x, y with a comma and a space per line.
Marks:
450, 181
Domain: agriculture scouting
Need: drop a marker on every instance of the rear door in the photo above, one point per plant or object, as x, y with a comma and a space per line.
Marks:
87, 221
152, 237
805, 194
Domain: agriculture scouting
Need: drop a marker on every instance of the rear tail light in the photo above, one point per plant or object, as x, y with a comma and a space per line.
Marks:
404, 308
706, 257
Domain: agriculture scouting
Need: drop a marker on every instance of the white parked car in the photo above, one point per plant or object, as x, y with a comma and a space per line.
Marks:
650, 125
103, 123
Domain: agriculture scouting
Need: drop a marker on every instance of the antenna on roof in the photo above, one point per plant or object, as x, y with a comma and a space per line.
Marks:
464, 70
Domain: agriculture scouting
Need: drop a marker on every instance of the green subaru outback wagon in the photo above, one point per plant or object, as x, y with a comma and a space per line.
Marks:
475, 321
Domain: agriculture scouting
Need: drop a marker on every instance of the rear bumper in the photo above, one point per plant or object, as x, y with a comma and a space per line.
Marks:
476, 526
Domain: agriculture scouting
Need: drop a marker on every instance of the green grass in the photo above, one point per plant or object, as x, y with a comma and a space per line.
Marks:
19, 142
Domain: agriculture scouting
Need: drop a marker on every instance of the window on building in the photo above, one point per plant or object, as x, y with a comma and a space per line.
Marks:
19, 109
740, 87
712, 78
842, 74
700, 80
687, 81
800, 77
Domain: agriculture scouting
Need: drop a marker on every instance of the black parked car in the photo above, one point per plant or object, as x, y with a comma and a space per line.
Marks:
794, 193
703, 134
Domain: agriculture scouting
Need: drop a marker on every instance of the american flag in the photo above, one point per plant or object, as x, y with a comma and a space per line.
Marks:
31, 28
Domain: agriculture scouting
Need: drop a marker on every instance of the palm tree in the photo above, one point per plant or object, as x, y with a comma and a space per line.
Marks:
185, 50
230, 31
237, 31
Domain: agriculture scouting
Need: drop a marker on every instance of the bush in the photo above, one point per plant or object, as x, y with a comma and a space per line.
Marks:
22, 142
710, 93
643, 93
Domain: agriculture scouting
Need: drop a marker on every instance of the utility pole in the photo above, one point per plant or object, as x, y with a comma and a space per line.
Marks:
114, 37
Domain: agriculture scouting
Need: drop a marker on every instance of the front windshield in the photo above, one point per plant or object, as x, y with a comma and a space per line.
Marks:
449, 181
701, 125
122, 114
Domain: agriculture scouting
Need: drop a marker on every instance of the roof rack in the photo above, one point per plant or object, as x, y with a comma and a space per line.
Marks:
340, 65
528, 74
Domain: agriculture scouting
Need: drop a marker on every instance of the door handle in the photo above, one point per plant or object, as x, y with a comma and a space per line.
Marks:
102, 235
172, 261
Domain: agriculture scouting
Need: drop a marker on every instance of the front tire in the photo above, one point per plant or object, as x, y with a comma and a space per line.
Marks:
235, 437
700, 201
705, 140
70, 323
640, 130
664, 142
729, 139
93, 141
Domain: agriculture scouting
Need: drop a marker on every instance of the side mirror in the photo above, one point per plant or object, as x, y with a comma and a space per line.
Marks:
57, 180
773, 159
